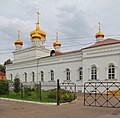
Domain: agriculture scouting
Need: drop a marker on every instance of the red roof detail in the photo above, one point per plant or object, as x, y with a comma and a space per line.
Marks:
62, 53
2, 74
104, 42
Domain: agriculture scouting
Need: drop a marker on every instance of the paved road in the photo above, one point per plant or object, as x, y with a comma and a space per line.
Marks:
10, 109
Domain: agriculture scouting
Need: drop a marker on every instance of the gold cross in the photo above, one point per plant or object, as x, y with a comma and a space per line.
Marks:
18, 34
38, 16
99, 26
56, 36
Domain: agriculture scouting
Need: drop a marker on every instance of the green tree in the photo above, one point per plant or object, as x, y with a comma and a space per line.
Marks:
8, 62
2, 68
4, 87
16, 85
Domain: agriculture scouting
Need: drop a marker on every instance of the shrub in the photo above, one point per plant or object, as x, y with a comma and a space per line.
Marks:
52, 93
16, 85
4, 88
27, 91
65, 95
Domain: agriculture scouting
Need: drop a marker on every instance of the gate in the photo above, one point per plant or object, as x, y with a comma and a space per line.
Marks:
102, 94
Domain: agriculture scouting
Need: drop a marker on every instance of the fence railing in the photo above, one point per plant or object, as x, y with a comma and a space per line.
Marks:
42, 92
102, 94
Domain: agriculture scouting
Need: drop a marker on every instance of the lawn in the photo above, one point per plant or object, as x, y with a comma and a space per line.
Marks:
34, 96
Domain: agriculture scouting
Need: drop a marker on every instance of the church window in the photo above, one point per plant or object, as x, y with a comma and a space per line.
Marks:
33, 76
42, 76
25, 74
67, 74
52, 75
94, 73
111, 71
80, 73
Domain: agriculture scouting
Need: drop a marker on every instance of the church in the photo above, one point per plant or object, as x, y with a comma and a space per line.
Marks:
97, 62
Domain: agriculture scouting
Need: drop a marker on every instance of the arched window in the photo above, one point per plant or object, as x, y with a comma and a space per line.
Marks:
111, 71
11, 77
42, 75
80, 73
33, 76
94, 73
52, 75
25, 74
67, 74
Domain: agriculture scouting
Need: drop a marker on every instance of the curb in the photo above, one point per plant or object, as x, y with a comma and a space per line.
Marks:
25, 101
69, 102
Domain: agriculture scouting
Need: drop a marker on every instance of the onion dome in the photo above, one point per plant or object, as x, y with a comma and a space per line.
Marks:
18, 41
99, 33
57, 43
38, 33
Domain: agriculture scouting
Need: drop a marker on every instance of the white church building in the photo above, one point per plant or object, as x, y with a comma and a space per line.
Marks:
97, 62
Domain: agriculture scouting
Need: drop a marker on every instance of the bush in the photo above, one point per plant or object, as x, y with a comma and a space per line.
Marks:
52, 93
16, 85
65, 95
4, 88
27, 91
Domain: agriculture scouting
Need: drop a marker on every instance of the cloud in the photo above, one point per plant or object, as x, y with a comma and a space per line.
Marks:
9, 27
73, 21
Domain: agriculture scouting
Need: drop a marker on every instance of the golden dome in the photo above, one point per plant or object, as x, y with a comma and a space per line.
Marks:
38, 33
57, 43
18, 41
99, 33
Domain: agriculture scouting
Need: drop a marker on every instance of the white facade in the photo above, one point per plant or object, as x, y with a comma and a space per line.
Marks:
29, 61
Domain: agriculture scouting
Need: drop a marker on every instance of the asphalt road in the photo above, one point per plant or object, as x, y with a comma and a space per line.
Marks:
9, 109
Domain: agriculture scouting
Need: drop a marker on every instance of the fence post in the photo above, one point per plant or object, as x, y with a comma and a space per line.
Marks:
58, 92
84, 93
22, 90
40, 90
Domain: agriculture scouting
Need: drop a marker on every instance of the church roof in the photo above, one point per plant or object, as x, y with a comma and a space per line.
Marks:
63, 53
108, 41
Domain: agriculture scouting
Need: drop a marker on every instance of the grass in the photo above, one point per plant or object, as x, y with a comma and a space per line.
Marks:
33, 97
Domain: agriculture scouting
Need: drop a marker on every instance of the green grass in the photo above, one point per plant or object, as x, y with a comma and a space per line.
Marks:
33, 97
46, 96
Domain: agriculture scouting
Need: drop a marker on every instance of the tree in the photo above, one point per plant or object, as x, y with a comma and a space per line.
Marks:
16, 85
8, 62
2, 68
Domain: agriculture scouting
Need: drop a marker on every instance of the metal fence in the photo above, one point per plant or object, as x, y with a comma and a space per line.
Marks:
102, 94
41, 91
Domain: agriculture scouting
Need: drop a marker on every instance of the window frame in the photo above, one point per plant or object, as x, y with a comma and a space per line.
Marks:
33, 76
68, 74
42, 75
94, 72
52, 75
111, 71
80, 73
25, 75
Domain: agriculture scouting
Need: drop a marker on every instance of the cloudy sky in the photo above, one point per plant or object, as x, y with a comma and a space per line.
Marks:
76, 21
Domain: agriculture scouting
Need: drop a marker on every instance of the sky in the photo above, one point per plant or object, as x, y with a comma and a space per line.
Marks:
76, 22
